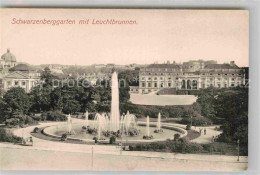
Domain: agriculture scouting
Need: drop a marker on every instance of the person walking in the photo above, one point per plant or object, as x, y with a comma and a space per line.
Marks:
205, 131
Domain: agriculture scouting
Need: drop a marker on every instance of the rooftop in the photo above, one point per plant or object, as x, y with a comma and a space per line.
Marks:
22, 67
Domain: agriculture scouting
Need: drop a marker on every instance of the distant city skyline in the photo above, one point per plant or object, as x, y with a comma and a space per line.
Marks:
158, 36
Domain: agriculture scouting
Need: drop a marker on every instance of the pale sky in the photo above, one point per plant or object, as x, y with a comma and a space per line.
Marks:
159, 35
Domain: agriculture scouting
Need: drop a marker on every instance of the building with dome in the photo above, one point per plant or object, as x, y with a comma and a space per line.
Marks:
8, 60
21, 75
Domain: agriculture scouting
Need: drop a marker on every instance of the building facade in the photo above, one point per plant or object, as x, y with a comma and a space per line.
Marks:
22, 76
191, 75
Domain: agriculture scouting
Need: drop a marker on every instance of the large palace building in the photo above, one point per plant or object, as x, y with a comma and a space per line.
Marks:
192, 75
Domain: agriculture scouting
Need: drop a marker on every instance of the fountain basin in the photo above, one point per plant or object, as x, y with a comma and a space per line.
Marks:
82, 136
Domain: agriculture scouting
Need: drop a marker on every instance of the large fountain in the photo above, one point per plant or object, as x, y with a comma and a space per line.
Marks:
108, 125
113, 125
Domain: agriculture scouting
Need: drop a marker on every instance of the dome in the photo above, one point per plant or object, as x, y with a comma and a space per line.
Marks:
22, 67
8, 57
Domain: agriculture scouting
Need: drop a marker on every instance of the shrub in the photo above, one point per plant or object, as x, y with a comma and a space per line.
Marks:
12, 122
64, 137
43, 116
192, 147
176, 136
36, 130
197, 121
56, 116
91, 116
96, 139
112, 140
7, 136
20, 120
37, 117
188, 127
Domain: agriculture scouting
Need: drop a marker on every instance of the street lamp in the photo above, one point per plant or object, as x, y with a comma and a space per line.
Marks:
238, 150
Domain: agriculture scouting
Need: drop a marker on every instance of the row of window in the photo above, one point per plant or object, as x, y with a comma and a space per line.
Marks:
16, 83
170, 78
189, 85
144, 73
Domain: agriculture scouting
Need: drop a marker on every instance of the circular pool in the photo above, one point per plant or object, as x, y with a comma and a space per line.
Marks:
81, 134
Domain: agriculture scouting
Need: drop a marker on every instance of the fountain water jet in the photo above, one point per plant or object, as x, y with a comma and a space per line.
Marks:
159, 121
147, 126
86, 117
158, 130
69, 124
114, 117
148, 136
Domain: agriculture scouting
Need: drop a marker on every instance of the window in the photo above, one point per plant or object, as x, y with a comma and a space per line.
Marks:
149, 84
225, 85
143, 84
155, 85
162, 85
16, 83
155, 78
23, 83
219, 85
233, 79
169, 84
143, 78
149, 78
232, 85
161, 78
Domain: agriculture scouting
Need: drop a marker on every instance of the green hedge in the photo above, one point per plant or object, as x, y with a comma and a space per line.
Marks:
7, 136
197, 121
54, 116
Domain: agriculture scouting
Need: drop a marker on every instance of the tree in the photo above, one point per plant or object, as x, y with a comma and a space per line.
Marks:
71, 107
16, 102
206, 101
57, 99
232, 107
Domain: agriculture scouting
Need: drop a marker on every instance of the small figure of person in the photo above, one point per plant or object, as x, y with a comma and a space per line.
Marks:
213, 139
200, 130
205, 131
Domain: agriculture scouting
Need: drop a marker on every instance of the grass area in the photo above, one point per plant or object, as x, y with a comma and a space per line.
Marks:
192, 134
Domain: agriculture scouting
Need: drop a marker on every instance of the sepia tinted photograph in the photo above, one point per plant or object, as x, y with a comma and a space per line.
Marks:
124, 89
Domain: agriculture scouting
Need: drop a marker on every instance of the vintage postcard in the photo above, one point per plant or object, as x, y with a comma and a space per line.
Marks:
124, 89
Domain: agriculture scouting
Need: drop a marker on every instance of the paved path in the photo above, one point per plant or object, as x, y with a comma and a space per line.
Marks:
25, 159
63, 154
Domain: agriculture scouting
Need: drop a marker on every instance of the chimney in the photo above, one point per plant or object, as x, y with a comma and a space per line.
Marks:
232, 63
